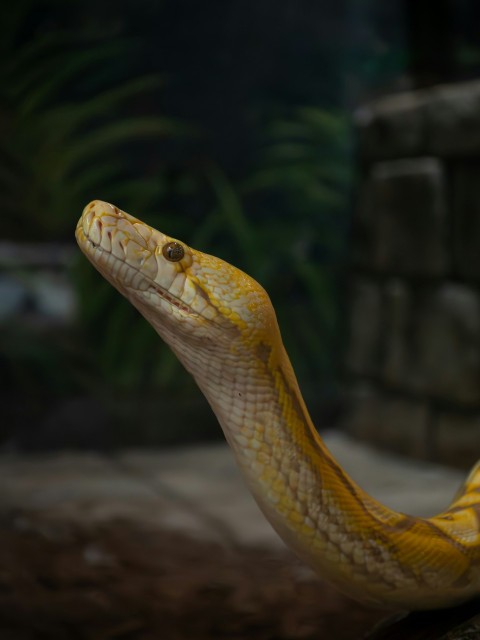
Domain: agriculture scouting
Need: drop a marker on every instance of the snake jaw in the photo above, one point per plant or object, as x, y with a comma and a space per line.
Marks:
128, 253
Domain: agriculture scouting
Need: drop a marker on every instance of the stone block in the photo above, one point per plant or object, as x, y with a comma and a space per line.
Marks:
363, 352
403, 217
441, 121
397, 303
432, 342
447, 341
393, 126
457, 438
361, 416
466, 219
452, 119
390, 421
404, 425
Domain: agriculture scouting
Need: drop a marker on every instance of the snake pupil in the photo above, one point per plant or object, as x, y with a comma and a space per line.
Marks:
173, 251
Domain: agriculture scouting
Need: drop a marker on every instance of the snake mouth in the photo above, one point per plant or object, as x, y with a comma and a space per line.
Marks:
90, 248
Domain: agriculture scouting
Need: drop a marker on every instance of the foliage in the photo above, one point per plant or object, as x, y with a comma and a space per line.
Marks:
82, 129
294, 242
77, 129
72, 133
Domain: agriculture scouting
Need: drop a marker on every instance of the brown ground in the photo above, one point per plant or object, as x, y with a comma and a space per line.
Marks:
117, 582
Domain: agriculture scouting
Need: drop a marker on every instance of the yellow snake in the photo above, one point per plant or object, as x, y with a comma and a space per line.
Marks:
221, 325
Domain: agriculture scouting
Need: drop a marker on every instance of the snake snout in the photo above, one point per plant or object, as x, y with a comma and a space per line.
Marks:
117, 235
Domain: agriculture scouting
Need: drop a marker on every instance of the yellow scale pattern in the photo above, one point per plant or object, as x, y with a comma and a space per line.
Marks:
221, 325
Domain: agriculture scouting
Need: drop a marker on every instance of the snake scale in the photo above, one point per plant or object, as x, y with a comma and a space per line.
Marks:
221, 325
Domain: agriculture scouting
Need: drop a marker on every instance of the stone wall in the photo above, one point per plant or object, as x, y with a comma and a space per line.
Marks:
413, 353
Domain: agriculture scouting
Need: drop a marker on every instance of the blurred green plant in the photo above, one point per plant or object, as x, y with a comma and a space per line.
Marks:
292, 240
295, 240
80, 128
76, 123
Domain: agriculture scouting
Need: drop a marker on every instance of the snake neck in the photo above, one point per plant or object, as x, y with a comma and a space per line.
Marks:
300, 488
318, 510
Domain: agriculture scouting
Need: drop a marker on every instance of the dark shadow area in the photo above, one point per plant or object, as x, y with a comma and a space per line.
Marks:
458, 623
125, 583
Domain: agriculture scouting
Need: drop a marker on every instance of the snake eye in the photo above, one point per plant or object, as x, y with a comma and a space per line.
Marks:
173, 251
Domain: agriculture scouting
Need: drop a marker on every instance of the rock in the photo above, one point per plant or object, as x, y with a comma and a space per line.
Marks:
403, 218
361, 418
458, 438
393, 126
440, 121
452, 122
365, 327
391, 421
433, 342
403, 426
415, 302
466, 219
397, 301
447, 342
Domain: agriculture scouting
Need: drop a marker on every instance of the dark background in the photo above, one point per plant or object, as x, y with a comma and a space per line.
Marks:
226, 124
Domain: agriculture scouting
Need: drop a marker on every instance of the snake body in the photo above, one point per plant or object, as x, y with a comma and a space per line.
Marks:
221, 325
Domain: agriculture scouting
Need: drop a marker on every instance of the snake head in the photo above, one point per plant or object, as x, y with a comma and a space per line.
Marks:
185, 294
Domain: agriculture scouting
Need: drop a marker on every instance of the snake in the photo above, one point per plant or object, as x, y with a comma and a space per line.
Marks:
221, 325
